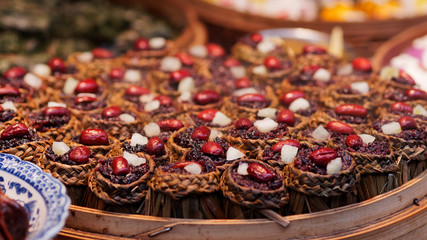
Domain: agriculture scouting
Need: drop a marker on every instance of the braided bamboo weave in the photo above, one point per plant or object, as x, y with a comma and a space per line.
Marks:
250, 55
411, 150
252, 144
372, 163
235, 111
323, 118
312, 184
113, 193
251, 197
177, 186
118, 129
94, 68
173, 149
368, 100
64, 132
148, 58
70, 175
31, 151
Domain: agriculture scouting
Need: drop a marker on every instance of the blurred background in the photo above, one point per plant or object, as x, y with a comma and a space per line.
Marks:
36, 30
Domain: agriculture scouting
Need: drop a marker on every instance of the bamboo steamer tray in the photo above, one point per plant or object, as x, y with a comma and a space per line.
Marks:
365, 36
179, 13
397, 45
398, 214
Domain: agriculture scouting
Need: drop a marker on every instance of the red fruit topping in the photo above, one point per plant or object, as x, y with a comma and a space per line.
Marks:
405, 76
15, 72
401, 107
14, 131
113, 111
185, 58
243, 123
1, 109
141, 44
251, 97
80, 155
215, 50
177, 76
416, 94
289, 97
56, 64
407, 122
232, 62
272, 62
259, 172
353, 141
182, 165
291, 142
170, 125
88, 85
207, 115
212, 148
340, 127
155, 146
201, 133
206, 97
164, 100
243, 82
351, 110
323, 156
102, 53
84, 99
136, 91
120, 166
117, 73
9, 91
362, 64
55, 111
286, 116
313, 49
256, 37
94, 136
310, 70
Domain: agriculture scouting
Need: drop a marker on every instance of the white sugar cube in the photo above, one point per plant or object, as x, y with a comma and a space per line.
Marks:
266, 125
288, 153
334, 166
243, 169
221, 119
152, 129
320, 133
233, 154
138, 138
133, 159
299, 104
60, 148
391, 128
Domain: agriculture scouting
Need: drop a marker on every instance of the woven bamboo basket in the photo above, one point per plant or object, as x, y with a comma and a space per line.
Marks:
398, 214
365, 36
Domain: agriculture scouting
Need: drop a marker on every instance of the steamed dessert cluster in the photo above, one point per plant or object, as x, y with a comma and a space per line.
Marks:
255, 124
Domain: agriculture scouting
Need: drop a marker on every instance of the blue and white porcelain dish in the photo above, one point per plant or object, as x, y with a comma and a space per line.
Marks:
43, 196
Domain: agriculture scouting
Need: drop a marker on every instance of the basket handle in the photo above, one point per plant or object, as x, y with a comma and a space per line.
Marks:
158, 231
272, 215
